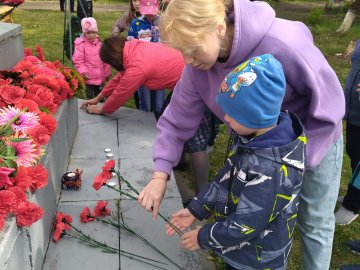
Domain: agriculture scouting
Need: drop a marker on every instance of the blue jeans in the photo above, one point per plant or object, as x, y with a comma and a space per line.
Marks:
316, 218
151, 100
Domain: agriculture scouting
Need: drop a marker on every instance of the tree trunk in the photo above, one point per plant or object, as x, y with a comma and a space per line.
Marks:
354, 9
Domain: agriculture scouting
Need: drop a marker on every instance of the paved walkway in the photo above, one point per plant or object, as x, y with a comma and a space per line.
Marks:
130, 134
54, 5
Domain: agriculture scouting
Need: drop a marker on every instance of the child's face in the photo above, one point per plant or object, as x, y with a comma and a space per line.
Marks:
238, 128
150, 17
91, 35
136, 5
205, 58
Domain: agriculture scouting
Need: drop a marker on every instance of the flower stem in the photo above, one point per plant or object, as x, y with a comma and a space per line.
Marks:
125, 227
176, 229
105, 248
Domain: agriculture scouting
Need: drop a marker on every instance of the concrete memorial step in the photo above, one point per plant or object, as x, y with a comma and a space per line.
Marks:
130, 135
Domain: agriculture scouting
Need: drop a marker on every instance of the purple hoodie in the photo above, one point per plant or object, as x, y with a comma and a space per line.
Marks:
313, 90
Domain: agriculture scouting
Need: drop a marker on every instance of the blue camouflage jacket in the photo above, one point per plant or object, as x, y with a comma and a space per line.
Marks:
254, 199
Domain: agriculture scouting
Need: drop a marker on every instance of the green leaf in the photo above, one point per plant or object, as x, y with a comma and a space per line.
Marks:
10, 164
6, 131
19, 139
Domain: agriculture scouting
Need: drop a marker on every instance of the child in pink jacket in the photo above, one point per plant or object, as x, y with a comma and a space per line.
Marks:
86, 58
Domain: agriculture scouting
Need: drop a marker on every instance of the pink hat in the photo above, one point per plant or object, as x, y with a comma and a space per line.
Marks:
149, 7
89, 24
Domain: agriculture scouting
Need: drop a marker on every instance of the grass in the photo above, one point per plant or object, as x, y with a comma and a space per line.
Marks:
46, 28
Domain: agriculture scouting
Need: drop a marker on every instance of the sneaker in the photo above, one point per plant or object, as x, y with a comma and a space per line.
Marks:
344, 216
340, 199
350, 267
354, 245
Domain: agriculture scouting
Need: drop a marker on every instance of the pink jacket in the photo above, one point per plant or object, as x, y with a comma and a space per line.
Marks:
87, 61
146, 63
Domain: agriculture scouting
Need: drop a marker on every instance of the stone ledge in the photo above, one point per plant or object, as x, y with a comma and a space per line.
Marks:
25, 248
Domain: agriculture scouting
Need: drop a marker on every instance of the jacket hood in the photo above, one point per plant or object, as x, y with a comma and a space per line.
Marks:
255, 20
291, 154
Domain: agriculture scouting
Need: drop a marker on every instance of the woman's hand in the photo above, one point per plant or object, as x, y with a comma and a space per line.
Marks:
88, 102
189, 240
182, 219
358, 88
153, 193
93, 109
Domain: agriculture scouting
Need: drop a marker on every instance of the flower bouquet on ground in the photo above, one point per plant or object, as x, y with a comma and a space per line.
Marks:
63, 228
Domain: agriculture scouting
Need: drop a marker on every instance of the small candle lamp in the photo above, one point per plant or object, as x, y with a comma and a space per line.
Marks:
71, 180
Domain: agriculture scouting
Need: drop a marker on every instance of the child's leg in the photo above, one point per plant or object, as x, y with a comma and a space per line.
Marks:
144, 99
157, 101
89, 91
97, 89
200, 166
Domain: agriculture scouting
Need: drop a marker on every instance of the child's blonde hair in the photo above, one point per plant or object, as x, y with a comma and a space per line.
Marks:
184, 23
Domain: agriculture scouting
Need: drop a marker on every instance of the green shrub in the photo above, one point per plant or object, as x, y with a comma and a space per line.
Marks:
315, 16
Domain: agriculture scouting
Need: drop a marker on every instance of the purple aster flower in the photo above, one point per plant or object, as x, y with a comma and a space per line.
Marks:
26, 152
25, 121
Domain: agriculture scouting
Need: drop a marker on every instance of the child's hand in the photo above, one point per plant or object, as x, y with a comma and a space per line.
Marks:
189, 239
182, 220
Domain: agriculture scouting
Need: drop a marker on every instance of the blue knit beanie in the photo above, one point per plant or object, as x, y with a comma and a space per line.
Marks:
252, 92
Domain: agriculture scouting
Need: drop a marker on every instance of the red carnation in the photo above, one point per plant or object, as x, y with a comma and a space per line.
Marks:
40, 52
48, 121
109, 165
2, 104
22, 179
74, 83
39, 176
11, 94
61, 217
86, 216
20, 195
44, 94
7, 202
5, 81
27, 51
59, 230
4, 177
99, 181
101, 209
2, 221
39, 134
31, 105
27, 213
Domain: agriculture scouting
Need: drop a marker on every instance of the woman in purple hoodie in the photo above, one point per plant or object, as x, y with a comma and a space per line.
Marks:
214, 38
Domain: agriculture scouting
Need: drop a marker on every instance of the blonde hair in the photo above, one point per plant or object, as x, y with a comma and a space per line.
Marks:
184, 23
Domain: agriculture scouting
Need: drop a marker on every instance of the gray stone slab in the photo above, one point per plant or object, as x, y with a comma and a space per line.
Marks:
60, 146
72, 121
90, 167
70, 254
22, 258
92, 139
7, 240
139, 171
39, 232
154, 231
86, 118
